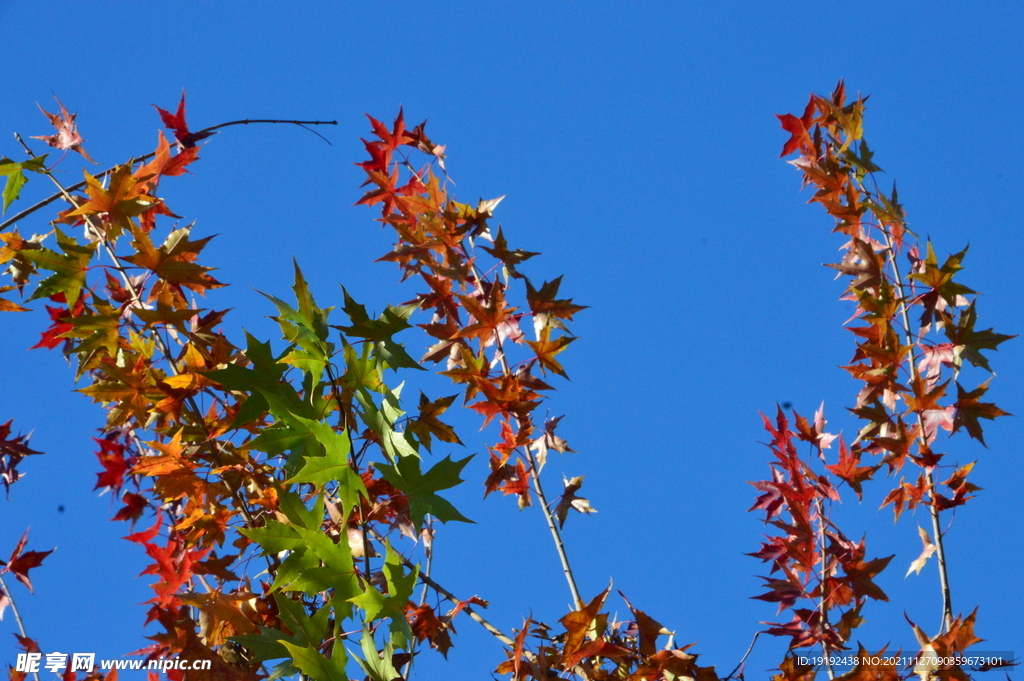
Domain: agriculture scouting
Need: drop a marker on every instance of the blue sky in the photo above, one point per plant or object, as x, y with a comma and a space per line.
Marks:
637, 147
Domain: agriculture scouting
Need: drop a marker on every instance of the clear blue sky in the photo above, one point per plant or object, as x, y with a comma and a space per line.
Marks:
638, 149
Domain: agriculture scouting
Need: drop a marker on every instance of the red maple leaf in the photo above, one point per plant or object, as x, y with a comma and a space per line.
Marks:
798, 128
134, 505
428, 626
20, 563
52, 336
177, 123
848, 469
111, 456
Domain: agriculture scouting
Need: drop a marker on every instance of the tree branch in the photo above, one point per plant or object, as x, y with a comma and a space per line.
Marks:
17, 615
556, 536
743, 659
145, 157
940, 552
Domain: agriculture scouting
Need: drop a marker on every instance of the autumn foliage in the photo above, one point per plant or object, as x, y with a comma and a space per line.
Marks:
306, 459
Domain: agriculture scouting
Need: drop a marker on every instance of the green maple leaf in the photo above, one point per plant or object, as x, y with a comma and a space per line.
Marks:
273, 644
274, 537
68, 268
381, 330
382, 422
265, 377
306, 327
377, 665
421, 489
336, 570
16, 179
312, 663
400, 587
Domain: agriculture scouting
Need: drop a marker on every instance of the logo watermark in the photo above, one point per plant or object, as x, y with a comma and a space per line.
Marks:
86, 662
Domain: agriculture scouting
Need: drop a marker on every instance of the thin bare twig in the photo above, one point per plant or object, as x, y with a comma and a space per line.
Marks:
429, 581
145, 157
17, 616
743, 659
556, 536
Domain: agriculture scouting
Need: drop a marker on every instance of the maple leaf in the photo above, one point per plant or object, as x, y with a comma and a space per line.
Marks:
111, 456
863, 263
969, 409
545, 305
791, 670
860, 575
509, 258
421, 488
20, 563
816, 435
15, 173
381, 330
397, 136
570, 500
220, 615
906, 494
163, 163
501, 473
428, 423
134, 506
849, 471
798, 128
490, 313
546, 349
176, 122
174, 263
427, 626
13, 450
217, 567
877, 667
131, 387
921, 560
969, 343
547, 441
67, 136
648, 630
124, 198
782, 591
52, 336
9, 305
68, 267
518, 664
578, 623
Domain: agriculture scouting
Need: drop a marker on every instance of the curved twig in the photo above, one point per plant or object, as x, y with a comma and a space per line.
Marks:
145, 157
743, 659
